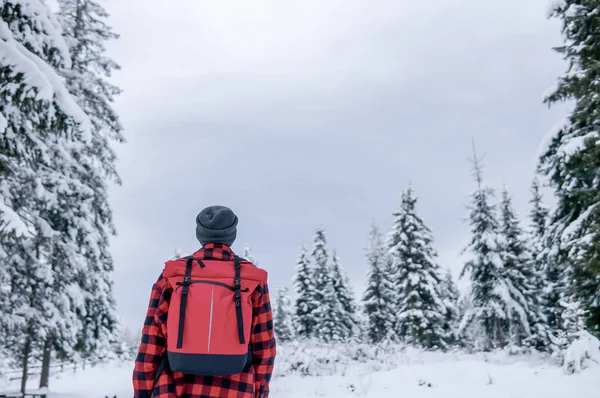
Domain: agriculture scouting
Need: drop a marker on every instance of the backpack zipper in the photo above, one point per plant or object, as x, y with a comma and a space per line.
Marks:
212, 302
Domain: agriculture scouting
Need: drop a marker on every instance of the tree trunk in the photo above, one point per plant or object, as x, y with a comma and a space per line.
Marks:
46, 358
25, 365
500, 336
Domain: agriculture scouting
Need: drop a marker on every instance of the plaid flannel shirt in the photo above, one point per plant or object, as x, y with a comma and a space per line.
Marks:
253, 382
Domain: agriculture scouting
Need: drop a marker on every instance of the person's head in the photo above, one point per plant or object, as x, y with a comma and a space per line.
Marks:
216, 224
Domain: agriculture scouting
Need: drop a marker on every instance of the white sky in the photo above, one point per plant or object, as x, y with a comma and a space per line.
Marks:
297, 114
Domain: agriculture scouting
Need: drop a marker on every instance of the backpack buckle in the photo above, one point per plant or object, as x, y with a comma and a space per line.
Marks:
187, 280
237, 283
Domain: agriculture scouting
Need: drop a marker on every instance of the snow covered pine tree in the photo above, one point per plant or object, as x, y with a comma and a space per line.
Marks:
572, 159
345, 296
86, 33
42, 133
486, 320
305, 304
450, 296
283, 316
330, 312
379, 298
421, 311
248, 255
527, 323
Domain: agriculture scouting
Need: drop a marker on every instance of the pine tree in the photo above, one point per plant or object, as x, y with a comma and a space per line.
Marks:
546, 275
379, 298
43, 196
248, 255
572, 160
573, 323
330, 312
322, 271
345, 296
86, 32
283, 319
421, 311
488, 316
450, 297
527, 324
306, 303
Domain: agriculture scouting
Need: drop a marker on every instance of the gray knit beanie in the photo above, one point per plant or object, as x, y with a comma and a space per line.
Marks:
216, 224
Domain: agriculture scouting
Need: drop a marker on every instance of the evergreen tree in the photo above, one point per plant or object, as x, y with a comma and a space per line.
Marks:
488, 316
248, 255
421, 311
572, 160
86, 32
450, 297
573, 323
331, 328
345, 296
527, 324
322, 270
546, 274
42, 133
329, 314
306, 303
379, 298
283, 320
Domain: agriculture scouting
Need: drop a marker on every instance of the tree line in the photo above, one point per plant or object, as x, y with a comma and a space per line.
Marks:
515, 299
536, 286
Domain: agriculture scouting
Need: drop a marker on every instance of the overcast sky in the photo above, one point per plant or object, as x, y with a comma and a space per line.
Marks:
305, 113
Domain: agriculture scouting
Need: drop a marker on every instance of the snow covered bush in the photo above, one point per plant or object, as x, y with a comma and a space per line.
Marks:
582, 353
314, 358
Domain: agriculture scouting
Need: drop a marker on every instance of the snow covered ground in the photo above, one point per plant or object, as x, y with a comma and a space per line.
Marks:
362, 371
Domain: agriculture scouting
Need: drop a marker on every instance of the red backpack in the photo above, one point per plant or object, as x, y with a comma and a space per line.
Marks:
210, 315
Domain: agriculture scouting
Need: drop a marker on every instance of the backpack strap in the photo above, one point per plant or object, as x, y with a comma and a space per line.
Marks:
184, 296
237, 296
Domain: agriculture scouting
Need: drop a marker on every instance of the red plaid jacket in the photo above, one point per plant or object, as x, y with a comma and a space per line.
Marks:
253, 382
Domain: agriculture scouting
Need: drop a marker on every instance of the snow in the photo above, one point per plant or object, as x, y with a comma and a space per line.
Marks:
12, 221
308, 369
41, 76
575, 145
582, 353
554, 5
572, 229
553, 132
3, 123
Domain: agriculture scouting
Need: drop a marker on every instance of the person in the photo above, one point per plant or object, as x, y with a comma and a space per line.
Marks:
195, 362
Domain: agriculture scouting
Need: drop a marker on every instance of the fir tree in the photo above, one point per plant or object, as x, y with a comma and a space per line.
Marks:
329, 314
248, 255
283, 320
322, 270
421, 311
572, 160
527, 324
573, 322
42, 132
379, 298
331, 328
305, 304
345, 296
546, 275
450, 297
86, 32
488, 317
